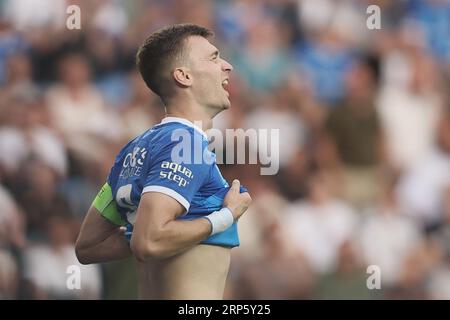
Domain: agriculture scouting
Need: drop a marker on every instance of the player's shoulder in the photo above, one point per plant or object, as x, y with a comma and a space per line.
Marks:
158, 134
164, 136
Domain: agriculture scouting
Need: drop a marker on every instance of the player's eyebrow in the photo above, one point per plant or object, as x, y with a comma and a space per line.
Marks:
215, 53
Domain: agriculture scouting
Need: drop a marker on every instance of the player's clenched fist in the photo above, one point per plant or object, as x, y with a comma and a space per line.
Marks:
235, 201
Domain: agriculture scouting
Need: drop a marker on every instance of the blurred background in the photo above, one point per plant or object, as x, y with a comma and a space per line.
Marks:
364, 119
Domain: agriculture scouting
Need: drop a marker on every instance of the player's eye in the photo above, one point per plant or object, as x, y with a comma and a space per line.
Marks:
215, 56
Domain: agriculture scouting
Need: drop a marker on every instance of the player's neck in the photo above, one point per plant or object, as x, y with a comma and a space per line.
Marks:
194, 115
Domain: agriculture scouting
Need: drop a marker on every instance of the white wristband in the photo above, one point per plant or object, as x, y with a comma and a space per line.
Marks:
220, 220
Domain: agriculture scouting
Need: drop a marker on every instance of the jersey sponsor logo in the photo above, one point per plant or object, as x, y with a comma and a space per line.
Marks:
133, 162
177, 173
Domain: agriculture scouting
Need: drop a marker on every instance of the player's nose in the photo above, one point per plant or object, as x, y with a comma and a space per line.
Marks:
226, 66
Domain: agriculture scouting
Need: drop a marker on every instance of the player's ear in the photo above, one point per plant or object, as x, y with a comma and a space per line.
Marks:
182, 76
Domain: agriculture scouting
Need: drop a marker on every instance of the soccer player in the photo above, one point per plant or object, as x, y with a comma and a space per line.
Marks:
165, 189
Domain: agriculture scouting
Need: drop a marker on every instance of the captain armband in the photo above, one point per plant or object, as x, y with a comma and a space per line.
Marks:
105, 204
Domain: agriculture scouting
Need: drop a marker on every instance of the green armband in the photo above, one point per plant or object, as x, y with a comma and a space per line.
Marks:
104, 202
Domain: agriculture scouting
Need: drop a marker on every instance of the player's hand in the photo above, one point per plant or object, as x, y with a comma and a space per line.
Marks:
235, 201
126, 232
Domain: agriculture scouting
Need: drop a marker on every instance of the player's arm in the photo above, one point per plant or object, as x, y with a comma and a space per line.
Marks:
101, 237
157, 233
100, 240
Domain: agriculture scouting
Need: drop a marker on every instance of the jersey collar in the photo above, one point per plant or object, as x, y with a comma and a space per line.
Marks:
185, 122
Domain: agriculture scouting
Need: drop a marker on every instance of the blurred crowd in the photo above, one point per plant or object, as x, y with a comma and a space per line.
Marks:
364, 119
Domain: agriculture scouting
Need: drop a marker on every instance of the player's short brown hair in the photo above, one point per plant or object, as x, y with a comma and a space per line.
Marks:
156, 55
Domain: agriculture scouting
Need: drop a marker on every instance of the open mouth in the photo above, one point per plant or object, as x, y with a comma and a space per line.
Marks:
225, 84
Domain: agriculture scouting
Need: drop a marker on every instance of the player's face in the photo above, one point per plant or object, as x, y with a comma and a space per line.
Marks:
210, 74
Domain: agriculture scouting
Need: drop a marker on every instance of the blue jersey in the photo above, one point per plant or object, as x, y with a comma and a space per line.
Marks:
171, 158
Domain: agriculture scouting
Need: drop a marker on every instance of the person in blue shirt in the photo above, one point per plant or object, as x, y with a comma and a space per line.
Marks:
165, 200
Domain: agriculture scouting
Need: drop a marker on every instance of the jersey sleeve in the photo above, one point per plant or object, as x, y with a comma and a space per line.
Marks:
179, 168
